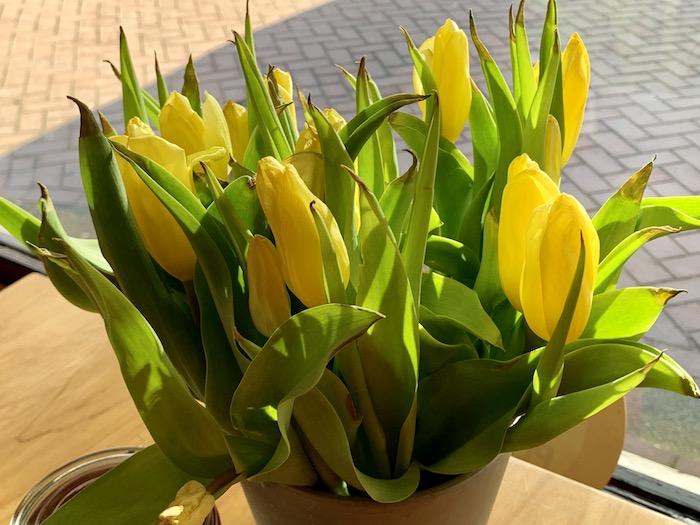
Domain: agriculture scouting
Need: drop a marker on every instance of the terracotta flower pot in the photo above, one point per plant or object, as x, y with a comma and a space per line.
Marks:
465, 499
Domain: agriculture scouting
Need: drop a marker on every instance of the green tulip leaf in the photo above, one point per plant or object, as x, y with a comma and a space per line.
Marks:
449, 298
594, 363
290, 364
610, 267
339, 187
510, 133
522, 65
554, 416
535, 122
190, 87
452, 259
465, 409
134, 492
454, 179
223, 374
318, 419
651, 216
264, 112
161, 85
626, 313
138, 277
370, 166
397, 198
413, 248
435, 354
488, 280
485, 142
617, 218
388, 353
181, 427
363, 125
134, 105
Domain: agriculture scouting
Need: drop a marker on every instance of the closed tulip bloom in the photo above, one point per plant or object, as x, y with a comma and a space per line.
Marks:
237, 121
527, 188
181, 125
447, 56
268, 299
554, 241
191, 506
576, 78
161, 234
285, 88
286, 201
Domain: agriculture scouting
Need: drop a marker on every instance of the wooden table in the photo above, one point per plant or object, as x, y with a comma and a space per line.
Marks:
62, 397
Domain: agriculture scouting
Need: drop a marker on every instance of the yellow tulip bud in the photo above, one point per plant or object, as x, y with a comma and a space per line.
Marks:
191, 506
181, 125
310, 168
285, 88
552, 149
286, 201
237, 121
527, 188
576, 78
553, 243
447, 56
161, 234
268, 298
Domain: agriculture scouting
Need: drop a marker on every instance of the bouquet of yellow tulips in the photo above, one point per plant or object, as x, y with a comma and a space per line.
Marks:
286, 306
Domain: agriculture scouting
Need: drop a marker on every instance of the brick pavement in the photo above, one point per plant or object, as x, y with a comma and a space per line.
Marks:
645, 94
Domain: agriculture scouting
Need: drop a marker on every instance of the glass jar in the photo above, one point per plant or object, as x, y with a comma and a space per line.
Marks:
67, 481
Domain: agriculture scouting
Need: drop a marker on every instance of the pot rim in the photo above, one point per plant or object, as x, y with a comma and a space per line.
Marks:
447, 485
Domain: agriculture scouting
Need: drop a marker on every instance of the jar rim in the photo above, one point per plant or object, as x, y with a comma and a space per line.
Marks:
44, 487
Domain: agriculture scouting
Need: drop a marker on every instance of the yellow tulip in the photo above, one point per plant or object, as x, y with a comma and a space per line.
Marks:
527, 188
286, 201
191, 506
268, 299
161, 234
181, 125
285, 88
310, 167
552, 149
576, 78
447, 56
553, 243
237, 121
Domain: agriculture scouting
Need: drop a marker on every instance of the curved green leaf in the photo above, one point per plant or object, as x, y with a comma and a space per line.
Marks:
663, 215
452, 259
464, 410
610, 267
289, 365
121, 244
389, 351
617, 218
557, 415
454, 173
626, 312
133, 103
596, 363
449, 298
510, 132
181, 427
363, 125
